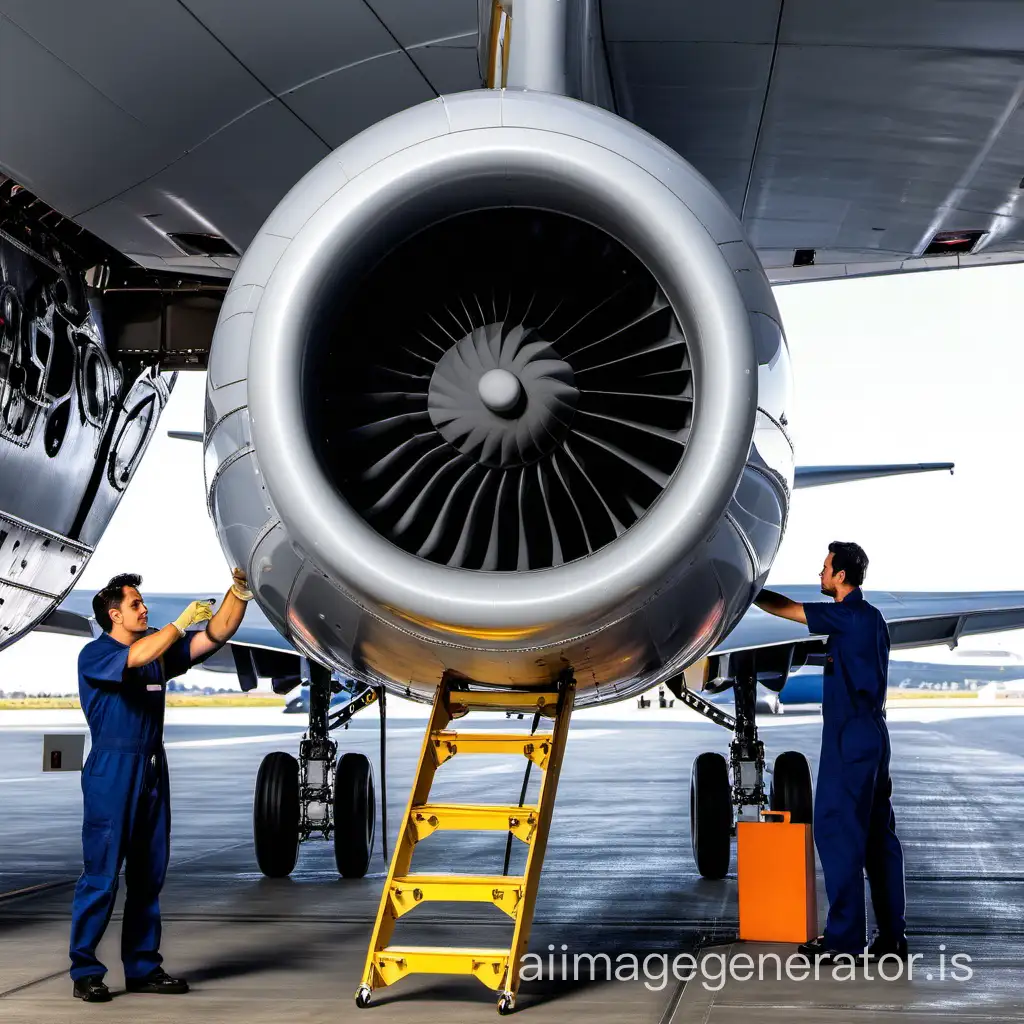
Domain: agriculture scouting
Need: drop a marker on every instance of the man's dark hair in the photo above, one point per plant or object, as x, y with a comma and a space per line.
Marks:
111, 596
849, 558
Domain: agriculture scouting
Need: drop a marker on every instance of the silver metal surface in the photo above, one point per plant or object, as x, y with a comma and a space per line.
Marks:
537, 57
624, 616
500, 390
73, 427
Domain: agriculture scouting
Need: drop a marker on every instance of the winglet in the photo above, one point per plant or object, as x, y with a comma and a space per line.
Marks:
818, 476
186, 435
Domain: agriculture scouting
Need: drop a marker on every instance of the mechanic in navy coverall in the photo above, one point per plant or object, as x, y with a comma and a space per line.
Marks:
854, 826
122, 680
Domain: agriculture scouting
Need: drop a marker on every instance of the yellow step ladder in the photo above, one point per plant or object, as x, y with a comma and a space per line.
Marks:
516, 895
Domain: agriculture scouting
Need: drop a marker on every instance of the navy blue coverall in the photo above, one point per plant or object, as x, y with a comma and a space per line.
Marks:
127, 810
854, 825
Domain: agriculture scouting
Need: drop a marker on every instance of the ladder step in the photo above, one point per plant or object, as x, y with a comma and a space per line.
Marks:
488, 965
504, 891
506, 700
447, 744
428, 818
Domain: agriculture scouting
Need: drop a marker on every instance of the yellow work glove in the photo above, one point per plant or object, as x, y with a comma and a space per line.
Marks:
196, 612
240, 585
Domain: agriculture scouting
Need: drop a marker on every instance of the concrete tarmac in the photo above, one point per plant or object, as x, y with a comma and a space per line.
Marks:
618, 879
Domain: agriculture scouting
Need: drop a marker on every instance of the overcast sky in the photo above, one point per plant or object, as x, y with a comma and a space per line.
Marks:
922, 368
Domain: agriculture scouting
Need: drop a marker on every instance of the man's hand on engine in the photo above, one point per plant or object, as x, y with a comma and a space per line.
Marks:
196, 612
225, 622
240, 585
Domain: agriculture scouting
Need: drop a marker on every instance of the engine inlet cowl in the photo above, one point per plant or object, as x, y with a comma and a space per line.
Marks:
499, 388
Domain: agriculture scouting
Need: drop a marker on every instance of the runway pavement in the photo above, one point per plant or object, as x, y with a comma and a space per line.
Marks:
618, 879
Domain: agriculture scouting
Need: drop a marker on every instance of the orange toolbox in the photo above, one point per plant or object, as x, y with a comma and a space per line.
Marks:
778, 896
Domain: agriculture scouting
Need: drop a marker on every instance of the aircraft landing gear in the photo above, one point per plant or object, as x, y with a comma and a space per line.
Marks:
316, 794
711, 815
275, 819
746, 752
724, 791
354, 815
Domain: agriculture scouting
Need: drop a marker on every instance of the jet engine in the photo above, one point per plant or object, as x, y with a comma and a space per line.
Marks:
501, 389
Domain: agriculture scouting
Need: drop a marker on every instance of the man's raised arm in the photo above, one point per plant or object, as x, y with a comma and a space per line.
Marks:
151, 647
223, 626
777, 604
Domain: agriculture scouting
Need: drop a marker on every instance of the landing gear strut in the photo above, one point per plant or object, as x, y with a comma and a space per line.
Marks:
725, 792
746, 752
316, 795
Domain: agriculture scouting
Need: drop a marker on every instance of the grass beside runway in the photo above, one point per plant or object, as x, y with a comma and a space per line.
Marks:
174, 700
931, 695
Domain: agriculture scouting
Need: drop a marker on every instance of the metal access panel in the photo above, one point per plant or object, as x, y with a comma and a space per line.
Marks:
63, 752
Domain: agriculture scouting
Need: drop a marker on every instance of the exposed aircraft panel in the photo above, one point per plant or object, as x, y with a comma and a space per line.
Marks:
74, 423
22, 609
37, 560
73, 426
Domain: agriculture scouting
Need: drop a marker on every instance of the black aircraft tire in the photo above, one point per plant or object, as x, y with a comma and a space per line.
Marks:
355, 815
711, 815
275, 817
791, 787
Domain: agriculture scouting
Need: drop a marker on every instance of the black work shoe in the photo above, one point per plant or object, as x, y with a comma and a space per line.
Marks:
882, 946
91, 989
158, 982
816, 950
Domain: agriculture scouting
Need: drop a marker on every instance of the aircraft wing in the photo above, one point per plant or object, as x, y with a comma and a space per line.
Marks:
851, 137
915, 618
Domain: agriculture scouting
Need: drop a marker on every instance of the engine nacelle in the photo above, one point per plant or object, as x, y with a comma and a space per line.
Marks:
500, 388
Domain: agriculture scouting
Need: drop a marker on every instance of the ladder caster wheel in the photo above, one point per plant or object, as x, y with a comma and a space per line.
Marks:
506, 1003
363, 997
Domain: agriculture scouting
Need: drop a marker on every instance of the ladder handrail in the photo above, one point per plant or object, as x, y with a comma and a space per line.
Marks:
384, 925
535, 855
